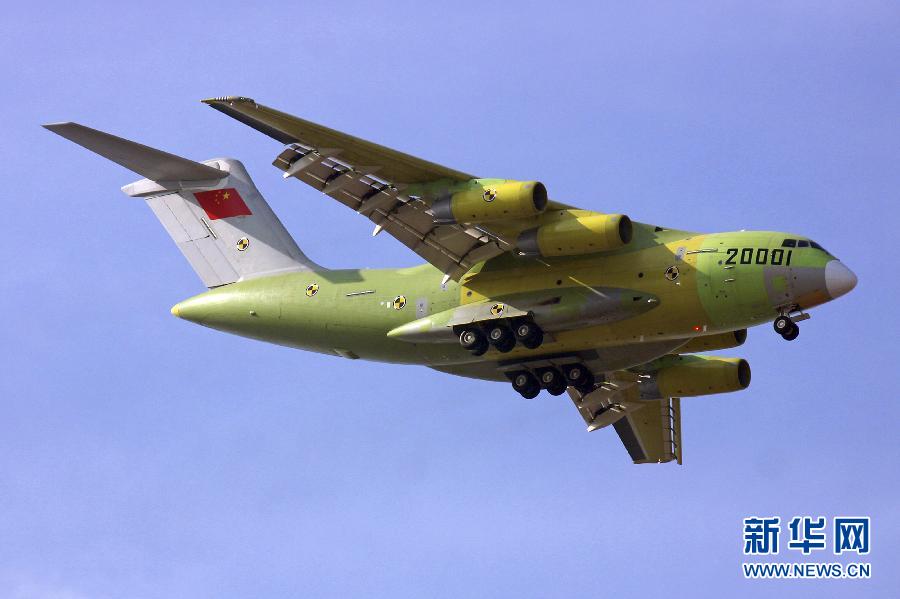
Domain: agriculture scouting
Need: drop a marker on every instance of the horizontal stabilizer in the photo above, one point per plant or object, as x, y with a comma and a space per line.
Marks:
151, 163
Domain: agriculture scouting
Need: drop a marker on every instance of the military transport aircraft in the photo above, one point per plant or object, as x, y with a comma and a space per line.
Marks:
516, 288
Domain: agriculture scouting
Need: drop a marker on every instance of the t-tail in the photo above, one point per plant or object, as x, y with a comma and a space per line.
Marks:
212, 210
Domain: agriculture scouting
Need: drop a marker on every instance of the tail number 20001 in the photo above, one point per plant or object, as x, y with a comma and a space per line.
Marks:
777, 257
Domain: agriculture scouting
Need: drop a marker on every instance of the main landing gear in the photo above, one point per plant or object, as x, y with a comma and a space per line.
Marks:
554, 380
786, 327
501, 334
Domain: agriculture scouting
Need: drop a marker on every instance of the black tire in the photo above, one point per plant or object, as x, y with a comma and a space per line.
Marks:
472, 339
551, 377
557, 389
535, 341
792, 334
783, 324
575, 373
481, 349
529, 334
531, 392
501, 338
587, 385
526, 384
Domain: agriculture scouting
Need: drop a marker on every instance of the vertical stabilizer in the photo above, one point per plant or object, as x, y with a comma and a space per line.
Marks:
212, 210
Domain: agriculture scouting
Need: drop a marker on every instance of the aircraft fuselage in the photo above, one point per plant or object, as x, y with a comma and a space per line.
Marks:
697, 284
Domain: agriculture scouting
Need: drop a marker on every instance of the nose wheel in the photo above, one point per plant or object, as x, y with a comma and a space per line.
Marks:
786, 327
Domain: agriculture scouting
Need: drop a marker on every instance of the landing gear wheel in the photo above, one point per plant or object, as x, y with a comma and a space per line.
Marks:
783, 324
587, 386
553, 381
501, 338
526, 384
575, 373
474, 341
792, 334
579, 377
529, 334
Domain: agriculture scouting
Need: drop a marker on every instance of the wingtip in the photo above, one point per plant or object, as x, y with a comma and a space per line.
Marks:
227, 100
52, 126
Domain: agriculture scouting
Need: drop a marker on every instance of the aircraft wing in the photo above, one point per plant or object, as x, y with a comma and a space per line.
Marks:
650, 430
371, 179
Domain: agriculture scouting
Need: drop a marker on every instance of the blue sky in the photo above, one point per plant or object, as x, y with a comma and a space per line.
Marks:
142, 456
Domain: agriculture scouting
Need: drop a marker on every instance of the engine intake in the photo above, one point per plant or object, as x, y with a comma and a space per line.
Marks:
484, 201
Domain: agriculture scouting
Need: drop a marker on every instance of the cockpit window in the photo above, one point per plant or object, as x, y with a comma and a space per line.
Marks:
802, 244
789, 243
817, 246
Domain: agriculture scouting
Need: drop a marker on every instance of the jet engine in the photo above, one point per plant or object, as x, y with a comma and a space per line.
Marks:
575, 232
484, 201
689, 376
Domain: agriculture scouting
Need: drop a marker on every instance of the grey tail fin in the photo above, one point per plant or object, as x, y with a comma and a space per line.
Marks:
212, 210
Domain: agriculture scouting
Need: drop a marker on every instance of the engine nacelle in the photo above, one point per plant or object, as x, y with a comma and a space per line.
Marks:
483, 201
576, 232
714, 342
690, 376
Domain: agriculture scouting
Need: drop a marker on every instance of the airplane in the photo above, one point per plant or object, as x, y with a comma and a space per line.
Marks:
516, 287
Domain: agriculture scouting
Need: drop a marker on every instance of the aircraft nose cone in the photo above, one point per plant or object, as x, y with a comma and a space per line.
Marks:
839, 279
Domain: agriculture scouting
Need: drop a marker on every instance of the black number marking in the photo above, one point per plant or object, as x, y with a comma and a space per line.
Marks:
762, 256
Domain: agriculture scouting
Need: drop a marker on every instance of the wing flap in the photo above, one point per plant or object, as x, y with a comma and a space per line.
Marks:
652, 433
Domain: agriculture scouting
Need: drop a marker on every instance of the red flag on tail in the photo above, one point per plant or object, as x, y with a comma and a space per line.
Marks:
222, 203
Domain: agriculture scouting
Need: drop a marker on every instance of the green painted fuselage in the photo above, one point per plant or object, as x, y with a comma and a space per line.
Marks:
702, 284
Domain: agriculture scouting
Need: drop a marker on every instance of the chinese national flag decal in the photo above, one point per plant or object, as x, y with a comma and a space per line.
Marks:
222, 203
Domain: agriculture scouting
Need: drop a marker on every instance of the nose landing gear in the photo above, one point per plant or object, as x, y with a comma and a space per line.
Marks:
786, 327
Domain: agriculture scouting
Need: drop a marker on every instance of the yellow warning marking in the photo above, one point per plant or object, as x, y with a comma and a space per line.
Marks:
399, 302
497, 309
489, 195
242, 244
312, 289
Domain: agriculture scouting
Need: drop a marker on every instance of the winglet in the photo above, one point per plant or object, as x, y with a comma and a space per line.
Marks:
153, 164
